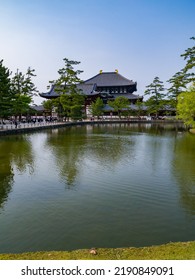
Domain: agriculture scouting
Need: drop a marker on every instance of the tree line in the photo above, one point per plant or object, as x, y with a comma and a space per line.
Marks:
16, 93
180, 96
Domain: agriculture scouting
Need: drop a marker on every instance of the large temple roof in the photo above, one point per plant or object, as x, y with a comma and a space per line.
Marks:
110, 79
103, 79
87, 89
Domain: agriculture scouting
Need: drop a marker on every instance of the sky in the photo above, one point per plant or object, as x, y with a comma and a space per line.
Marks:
141, 38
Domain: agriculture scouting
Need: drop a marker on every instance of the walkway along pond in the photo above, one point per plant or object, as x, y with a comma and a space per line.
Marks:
24, 128
101, 185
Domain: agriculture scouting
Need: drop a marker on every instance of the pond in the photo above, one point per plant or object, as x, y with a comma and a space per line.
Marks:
111, 185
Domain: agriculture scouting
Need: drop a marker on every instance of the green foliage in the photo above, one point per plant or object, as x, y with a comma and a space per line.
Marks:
183, 78
156, 92
119, 103
186, 108
139, 110
5, 91
189, 56
76, 112
23, 89
68, 78
170, 251
48, 105
72, 105
71, 100
178, 84
21, 104
22, 83
97, 107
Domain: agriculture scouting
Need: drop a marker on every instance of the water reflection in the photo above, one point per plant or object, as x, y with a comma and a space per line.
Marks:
126, 181
184, 170
6, 177
15, 152
67, 148
72, 147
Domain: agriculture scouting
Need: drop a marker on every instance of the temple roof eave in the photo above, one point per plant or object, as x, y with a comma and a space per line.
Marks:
110, 79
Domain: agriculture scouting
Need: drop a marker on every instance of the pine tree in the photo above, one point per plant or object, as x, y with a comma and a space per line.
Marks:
23, 89
156, 92
96, 107
189, 68
68, 80
5, 91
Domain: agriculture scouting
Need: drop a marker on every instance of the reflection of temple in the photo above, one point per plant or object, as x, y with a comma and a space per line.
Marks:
106, 85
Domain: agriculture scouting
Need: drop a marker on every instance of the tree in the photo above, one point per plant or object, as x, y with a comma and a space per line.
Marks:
139, 108
71, 100
5, 91
23, 89
77, 106
156, 92
178, 84
68, 80
189, 56
48, 105
182, 78
119, 103
97, 107
72, 105
186, 107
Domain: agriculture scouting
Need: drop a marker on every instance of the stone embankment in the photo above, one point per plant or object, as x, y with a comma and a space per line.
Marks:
9, 129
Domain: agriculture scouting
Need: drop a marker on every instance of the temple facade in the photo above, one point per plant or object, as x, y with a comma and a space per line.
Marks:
106, 85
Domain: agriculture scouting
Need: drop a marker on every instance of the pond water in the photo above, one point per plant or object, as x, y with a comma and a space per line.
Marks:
112, 185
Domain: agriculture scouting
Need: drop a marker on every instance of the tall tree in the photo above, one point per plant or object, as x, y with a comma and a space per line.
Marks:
68, 78
119, 103
71, 100
178, 84
186, 106
23, 89
73, 105
5, 91
156, 92
96, 107
189, 68
48, 105
181, 79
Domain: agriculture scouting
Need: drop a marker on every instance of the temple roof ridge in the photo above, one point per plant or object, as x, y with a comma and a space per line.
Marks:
110, 79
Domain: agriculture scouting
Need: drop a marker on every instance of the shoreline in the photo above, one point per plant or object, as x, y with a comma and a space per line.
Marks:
25, 128
169, 251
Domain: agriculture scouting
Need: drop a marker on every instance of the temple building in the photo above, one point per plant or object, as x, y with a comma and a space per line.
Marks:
106, 85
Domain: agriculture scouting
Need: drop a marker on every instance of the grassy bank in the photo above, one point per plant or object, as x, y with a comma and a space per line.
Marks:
170, 251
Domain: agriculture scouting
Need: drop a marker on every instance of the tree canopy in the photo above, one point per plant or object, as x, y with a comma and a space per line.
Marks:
156, 92
6, 94
68, 78
97, 107
119, 103
186, 107
23, 89
189, 56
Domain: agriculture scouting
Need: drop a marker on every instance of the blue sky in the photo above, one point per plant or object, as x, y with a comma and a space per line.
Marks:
140, 38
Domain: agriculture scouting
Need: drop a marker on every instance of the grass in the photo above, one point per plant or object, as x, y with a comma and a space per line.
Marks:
170, 251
